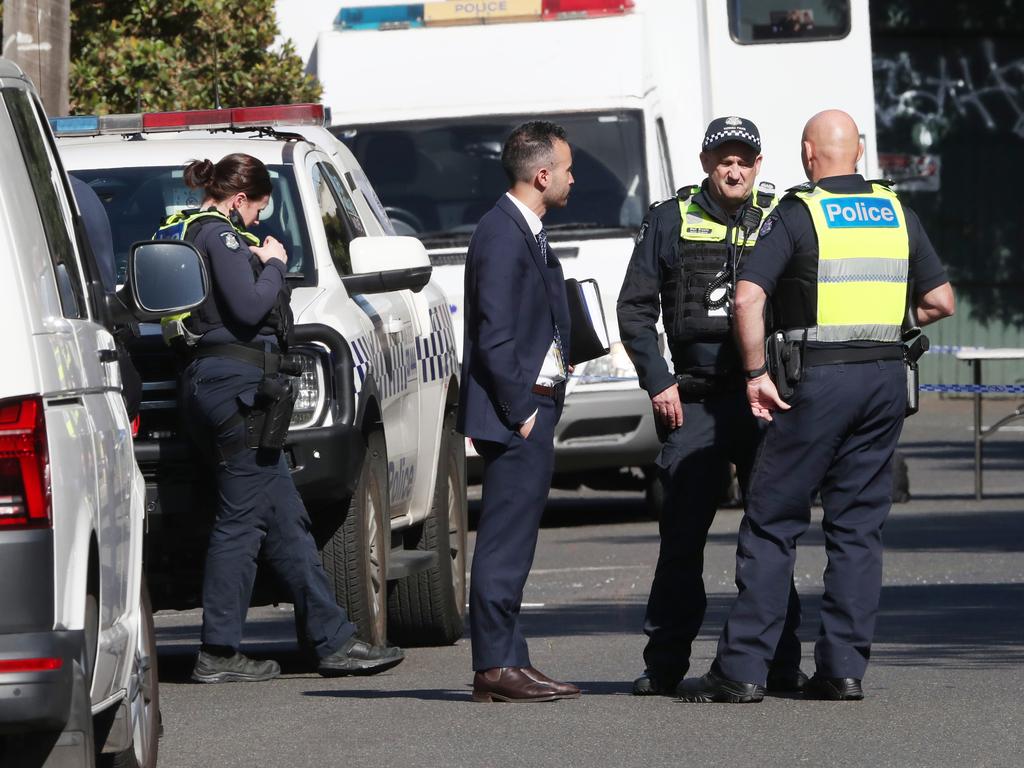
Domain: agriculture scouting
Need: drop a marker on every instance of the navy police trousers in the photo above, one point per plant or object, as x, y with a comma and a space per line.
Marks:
839, 436
258, 506
694, 463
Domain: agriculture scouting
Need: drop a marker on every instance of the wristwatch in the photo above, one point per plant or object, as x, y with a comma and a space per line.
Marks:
759, 372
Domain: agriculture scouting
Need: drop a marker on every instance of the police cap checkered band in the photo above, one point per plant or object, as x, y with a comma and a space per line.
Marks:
724, 129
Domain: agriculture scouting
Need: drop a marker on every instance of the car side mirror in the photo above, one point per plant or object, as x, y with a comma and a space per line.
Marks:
390, 263
165, 277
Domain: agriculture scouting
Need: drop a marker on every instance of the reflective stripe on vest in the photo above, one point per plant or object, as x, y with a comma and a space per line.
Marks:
863, 260
699, 226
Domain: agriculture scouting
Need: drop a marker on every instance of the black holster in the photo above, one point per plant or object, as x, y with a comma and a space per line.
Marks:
915, 344
785, 363
266, 422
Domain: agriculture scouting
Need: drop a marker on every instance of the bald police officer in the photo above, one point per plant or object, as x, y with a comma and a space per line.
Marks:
838, 260
684, 265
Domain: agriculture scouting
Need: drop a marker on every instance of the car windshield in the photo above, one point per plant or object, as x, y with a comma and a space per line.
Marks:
437, 178
139, 199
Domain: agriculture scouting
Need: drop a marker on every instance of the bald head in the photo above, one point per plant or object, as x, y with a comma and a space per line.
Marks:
831, 145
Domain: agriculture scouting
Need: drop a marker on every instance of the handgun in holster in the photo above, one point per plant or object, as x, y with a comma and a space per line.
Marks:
915, 344
267, 421
785, 363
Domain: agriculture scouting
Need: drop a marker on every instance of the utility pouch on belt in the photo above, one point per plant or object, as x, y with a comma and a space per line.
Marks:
266, 423
915, 344
785, 363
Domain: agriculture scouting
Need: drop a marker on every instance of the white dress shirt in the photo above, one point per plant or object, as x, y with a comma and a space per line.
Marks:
551, 372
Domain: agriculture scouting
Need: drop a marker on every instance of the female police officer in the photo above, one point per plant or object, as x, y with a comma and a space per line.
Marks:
228, 391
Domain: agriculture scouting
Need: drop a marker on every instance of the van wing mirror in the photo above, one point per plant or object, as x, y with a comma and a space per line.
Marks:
389, 263
165, 277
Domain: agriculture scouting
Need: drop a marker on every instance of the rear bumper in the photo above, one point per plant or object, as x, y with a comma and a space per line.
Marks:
37, 701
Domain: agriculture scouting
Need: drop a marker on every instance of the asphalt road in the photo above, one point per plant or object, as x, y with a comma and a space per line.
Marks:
943, 689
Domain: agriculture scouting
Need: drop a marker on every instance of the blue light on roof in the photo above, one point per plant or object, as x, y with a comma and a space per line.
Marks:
75, 125
380, 17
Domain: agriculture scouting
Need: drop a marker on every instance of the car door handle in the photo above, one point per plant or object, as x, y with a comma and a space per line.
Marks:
107, 355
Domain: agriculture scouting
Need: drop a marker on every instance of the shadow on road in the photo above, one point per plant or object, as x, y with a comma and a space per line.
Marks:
423, 694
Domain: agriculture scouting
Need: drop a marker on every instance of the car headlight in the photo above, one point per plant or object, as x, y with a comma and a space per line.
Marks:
615, 366
312, 390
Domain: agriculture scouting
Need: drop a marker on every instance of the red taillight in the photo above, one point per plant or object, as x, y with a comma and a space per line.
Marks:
567, 9
135, 426
7, 666
24, 465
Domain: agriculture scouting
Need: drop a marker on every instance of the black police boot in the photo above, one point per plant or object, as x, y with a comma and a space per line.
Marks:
712, 688
358, 658
652, 683
786, 680
833, 688
237, 668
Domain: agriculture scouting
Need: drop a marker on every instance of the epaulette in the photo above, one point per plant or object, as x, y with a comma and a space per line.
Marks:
888, 183
685, 193
807, 186
764, 195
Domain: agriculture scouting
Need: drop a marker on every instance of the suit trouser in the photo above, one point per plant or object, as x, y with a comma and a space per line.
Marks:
839, 436
516, 482
694, 463
258, 506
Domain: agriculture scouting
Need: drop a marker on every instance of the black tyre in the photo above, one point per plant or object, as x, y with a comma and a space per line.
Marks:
428, 608
355, 554
144, 695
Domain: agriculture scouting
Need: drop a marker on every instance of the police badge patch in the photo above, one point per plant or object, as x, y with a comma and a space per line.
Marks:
641, 234
766, 227
230, 241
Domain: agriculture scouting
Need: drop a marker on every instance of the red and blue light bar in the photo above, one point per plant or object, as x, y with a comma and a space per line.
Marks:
190, 120
451, 12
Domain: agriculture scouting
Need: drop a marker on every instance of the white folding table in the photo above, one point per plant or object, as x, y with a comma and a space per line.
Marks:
976, 357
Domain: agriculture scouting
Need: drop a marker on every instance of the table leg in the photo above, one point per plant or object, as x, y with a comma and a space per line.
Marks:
976, 366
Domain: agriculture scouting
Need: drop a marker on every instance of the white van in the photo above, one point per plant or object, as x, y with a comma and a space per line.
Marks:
634, 83
77, 650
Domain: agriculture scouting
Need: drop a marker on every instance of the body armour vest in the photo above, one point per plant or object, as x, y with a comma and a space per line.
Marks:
186, 225
697, 292
856, 287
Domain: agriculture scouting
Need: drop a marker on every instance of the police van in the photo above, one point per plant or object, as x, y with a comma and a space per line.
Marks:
77, 651
371, 445
634, 82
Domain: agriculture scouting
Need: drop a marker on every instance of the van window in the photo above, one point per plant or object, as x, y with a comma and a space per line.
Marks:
337, 225
436, 178
137, 200
788, 21
45, 179
665, 157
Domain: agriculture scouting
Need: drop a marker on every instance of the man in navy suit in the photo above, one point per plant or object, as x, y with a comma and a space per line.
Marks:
514, 368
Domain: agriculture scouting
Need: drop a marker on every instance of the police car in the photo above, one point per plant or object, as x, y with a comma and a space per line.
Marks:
77, 651
372, 445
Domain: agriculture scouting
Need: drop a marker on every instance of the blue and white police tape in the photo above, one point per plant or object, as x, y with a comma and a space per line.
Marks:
1010, 389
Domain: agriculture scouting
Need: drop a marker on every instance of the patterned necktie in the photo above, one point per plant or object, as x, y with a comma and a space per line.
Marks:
549, 258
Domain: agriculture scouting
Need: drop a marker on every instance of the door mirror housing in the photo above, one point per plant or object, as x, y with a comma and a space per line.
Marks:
165, 277
390, 263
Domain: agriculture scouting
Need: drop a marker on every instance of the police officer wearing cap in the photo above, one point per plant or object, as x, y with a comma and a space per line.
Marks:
233, 343
837, 264
684, 265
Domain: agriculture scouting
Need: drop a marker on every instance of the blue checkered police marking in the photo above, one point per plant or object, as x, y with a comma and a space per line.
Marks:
846, 212
387, 368
435, 353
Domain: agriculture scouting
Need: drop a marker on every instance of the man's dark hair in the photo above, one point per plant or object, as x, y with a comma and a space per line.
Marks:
529, 146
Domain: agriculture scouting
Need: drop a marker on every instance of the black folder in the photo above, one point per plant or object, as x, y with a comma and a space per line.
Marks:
589, 337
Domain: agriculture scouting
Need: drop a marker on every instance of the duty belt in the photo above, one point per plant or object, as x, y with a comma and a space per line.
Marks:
265, 357
821, 356
693, 389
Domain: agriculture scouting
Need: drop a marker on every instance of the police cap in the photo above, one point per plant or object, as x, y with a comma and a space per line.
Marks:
724, 129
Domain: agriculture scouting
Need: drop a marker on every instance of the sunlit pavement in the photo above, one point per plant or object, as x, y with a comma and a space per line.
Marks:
943, 689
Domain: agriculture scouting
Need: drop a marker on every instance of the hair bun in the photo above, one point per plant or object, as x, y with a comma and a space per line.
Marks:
199, 174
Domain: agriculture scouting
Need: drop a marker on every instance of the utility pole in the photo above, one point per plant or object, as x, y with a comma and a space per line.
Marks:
37, 37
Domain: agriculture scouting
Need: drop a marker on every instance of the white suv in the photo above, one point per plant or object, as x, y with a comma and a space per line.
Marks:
372, 446
77, 653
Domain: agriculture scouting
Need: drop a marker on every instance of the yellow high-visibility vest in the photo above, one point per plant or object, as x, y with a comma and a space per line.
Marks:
863, 264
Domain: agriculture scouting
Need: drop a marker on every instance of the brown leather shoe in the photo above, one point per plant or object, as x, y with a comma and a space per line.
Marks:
562, 690
509, 684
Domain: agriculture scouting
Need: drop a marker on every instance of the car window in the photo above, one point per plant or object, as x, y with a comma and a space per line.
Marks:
45, 184
137, 201
797, 21
337, 224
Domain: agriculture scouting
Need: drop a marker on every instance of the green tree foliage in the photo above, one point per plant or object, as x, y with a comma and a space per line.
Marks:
132, 55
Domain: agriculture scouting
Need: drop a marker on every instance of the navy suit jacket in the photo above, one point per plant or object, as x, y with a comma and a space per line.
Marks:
512, 301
